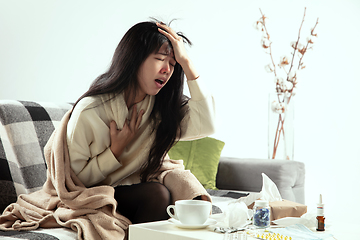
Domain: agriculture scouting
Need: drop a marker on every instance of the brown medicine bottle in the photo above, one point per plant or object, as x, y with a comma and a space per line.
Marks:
320, 219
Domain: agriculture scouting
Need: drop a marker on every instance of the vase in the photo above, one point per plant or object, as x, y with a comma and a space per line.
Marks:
281, 126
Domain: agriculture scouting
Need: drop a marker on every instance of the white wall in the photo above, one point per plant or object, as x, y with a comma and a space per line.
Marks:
51, 50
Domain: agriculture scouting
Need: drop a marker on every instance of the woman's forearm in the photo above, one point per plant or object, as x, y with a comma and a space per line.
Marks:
189, 70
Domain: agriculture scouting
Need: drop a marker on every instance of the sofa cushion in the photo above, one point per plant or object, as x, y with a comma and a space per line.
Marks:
201, 157
24, 131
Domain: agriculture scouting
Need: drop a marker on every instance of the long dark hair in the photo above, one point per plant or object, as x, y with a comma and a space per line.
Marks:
169, 109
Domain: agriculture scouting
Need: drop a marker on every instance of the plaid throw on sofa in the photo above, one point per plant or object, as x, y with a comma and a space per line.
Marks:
25, 129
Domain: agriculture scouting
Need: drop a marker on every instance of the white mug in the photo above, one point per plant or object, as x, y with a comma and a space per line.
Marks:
190, 212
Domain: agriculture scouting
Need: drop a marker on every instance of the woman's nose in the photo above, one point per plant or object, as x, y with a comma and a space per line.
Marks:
165, 68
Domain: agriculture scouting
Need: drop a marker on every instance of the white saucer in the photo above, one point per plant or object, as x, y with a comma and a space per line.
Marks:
189, 226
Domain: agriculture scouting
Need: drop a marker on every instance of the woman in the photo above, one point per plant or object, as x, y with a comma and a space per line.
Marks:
121, 129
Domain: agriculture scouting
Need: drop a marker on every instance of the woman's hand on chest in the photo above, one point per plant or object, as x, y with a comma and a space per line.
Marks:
120, 138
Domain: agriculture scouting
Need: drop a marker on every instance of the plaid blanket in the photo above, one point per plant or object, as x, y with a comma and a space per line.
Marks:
27, 235
25, 129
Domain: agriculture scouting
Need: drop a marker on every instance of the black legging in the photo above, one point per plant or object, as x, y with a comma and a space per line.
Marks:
143, 202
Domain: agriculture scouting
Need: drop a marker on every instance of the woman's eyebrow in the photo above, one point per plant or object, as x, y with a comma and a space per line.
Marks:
165, 54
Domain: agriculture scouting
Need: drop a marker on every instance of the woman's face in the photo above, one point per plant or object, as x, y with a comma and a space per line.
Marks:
156, 71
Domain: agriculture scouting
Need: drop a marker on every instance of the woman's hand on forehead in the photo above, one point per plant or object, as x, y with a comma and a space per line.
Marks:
176, 41
180, 53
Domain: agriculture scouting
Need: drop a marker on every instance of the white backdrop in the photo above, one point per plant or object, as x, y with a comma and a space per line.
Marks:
51, 50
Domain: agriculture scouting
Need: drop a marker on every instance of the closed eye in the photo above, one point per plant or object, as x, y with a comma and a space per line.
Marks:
171, 63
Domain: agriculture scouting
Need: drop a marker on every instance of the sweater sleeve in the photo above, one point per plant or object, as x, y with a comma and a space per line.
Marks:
181, 183
200, 119
91, 159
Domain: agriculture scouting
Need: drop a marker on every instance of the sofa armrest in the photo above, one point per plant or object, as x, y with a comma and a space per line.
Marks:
244, 174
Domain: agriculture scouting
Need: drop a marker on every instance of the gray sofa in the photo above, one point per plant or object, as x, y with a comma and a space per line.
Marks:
244, 174
26, 127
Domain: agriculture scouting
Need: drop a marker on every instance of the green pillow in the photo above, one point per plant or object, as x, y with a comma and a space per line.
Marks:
201, 157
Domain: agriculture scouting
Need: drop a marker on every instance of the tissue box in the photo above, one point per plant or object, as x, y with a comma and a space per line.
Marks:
285, 208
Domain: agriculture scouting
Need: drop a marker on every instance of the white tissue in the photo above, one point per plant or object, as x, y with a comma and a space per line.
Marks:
238, 215
308, 220
269, 192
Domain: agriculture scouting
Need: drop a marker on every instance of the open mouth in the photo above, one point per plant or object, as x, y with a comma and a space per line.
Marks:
160, 82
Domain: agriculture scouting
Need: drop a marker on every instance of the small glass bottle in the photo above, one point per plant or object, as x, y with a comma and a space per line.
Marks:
320, 219
261, 217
